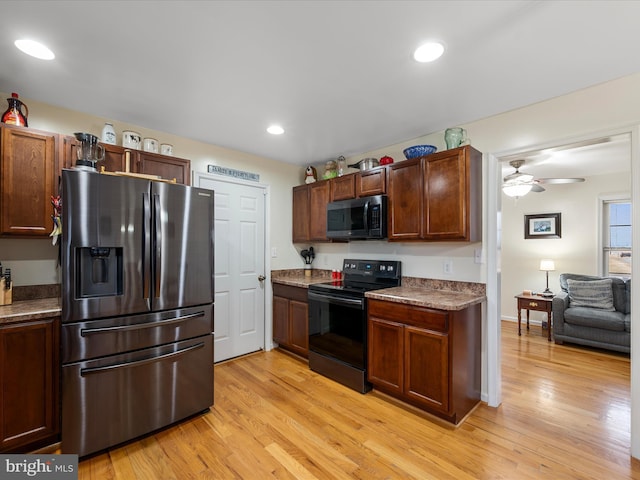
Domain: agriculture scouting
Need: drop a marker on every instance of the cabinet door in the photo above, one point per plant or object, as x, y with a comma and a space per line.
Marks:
115, 159
68, 155
343, 188
164, 166
28, 160
281, 320
299, 327
385, 354
301, 211
371, 182
319, 196
445, 190
452, 195
426, 367
405, 200
29, 379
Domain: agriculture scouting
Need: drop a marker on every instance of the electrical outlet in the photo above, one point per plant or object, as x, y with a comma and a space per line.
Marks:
447, 267
274, 252
477, 255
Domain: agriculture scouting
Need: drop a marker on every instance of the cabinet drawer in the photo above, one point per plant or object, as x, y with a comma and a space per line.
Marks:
420, 317
290, 292
539, 305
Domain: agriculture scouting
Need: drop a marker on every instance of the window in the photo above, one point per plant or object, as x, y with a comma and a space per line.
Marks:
617, 238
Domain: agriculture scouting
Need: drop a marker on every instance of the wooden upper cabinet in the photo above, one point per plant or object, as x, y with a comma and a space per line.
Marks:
319, 196
115, 158
343, 188
28, 163
164, 166
371, 182
453, 195
406, 200
437, 197
118, 159
68, 154
300, 224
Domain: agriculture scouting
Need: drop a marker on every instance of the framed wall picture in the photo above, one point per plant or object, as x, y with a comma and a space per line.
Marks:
545, 225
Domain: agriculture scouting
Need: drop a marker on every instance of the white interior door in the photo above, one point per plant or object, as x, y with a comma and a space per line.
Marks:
239, 311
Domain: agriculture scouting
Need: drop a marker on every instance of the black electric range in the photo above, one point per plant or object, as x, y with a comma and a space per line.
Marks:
338, 320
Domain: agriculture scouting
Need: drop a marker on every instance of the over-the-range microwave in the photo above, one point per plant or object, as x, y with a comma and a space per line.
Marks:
357, 219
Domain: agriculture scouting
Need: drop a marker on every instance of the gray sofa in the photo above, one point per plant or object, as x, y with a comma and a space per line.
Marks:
588, 322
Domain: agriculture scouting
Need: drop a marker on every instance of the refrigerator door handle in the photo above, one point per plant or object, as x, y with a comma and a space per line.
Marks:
90, 371
158, 251
146, 245
139, 326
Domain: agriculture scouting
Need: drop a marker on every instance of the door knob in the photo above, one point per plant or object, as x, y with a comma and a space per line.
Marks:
261, 278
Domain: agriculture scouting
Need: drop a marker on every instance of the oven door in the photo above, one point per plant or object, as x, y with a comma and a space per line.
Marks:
337, 327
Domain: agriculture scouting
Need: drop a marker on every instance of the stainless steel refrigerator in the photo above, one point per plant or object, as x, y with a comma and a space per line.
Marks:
137, 307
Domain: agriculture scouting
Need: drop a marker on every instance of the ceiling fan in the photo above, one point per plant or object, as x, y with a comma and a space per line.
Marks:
518, 184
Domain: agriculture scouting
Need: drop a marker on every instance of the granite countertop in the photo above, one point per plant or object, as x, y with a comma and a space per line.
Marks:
427, 297
30, 310
297, 278
421, 292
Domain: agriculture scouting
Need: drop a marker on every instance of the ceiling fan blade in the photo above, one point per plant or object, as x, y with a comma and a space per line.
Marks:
537, 188
556, 181
519, 176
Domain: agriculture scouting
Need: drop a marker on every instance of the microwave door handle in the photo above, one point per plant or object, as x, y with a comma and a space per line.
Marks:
366, 216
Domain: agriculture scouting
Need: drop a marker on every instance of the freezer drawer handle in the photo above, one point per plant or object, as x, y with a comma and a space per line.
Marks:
139, 326
91, 371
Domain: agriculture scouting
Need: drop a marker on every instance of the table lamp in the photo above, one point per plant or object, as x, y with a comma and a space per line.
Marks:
547, 266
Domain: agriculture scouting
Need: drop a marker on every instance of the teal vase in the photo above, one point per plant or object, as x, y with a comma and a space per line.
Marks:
453, 137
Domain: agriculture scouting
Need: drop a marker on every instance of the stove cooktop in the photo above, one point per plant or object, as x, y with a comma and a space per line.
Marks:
360, 276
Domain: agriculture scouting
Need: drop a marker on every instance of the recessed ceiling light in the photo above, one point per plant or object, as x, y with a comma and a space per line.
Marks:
428, 52
35, 49
275, 130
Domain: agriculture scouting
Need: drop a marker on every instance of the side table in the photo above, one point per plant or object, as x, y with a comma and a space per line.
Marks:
537, 303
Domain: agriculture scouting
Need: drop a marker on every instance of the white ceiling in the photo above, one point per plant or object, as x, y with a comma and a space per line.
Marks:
337, 75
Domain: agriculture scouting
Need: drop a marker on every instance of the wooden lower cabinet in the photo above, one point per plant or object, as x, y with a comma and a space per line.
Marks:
29, 382
429, 358
291, 318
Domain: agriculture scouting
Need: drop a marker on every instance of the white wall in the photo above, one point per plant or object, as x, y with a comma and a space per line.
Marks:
33, 262
575, 252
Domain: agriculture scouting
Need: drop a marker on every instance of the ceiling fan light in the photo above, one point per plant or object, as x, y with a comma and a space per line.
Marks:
516, 189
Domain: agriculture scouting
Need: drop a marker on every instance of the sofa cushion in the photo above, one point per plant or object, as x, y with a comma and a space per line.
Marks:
619, 287
627, 322
591, 293
595, 318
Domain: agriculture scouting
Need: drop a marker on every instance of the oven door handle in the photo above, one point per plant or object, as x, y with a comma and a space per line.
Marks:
348, 302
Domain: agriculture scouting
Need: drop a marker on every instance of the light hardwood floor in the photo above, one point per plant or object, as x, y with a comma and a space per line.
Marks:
565, 415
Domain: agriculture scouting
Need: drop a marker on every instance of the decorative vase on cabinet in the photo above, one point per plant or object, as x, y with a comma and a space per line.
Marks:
454, 137
108, 134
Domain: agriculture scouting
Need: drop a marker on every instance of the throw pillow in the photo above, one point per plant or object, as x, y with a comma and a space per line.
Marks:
591, 293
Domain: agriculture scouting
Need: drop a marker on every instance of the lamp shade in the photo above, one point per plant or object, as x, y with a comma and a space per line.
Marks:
547, 265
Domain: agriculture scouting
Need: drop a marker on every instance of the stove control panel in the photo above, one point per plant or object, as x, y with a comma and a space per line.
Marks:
372, 268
